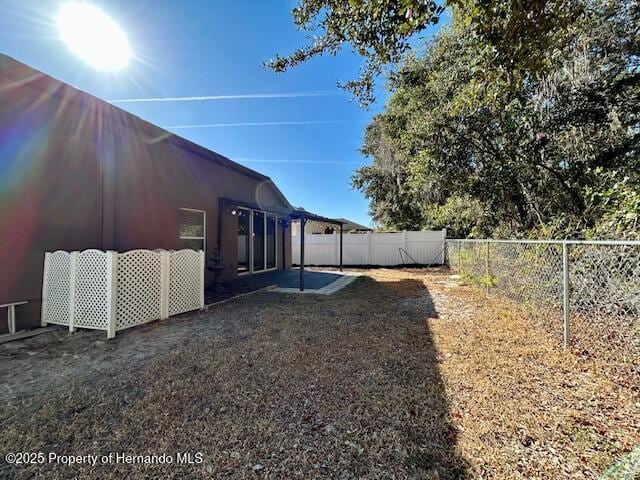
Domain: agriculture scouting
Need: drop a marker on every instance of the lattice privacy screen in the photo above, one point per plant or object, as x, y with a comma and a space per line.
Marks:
139, 290
185, 283
112, 291
56, 292
91, 290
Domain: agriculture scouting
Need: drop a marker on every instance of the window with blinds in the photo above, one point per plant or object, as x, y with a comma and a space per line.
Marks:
193, 229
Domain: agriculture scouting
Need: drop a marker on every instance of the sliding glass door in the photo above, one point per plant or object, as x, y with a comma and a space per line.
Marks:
244, 241
271, 241
257, 241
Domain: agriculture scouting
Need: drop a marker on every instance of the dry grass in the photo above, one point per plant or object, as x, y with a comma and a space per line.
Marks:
386, 379
525, 408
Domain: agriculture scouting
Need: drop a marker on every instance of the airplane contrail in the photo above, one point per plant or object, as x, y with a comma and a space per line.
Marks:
255, 124
260, 160
319, 93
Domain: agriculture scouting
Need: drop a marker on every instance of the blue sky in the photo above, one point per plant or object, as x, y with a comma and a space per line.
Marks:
216, 49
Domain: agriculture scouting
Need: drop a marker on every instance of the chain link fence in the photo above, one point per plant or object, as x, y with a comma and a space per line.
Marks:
586, 294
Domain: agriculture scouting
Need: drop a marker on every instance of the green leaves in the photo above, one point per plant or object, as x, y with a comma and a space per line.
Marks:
512, 121
517, 37
462, 146
377, 30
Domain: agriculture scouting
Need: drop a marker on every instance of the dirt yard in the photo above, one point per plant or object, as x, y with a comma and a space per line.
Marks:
403, 374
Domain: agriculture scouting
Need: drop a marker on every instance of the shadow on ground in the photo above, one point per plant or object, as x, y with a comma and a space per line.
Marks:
429, 435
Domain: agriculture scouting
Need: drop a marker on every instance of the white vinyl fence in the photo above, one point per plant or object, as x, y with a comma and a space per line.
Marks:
112, 291
386, 249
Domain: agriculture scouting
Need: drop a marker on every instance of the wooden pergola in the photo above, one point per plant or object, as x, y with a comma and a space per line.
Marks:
303, 216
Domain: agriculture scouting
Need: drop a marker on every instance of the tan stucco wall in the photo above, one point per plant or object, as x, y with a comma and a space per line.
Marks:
71, 179
152, 183
50, 192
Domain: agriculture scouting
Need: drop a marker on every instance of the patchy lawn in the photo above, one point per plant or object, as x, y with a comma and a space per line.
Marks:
403, 374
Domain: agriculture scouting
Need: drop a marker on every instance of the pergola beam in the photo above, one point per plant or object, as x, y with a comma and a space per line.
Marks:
299, 214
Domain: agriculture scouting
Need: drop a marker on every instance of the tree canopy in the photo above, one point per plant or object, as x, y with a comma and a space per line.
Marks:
380, 31
520, 117
549, 148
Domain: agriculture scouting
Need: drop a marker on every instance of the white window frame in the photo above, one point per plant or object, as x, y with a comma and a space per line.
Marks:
204, 228
251, 243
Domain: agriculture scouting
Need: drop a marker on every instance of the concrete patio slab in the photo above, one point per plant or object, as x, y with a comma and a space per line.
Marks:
332, 286
288, 281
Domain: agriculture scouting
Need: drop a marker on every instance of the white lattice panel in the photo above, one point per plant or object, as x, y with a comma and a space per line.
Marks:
91, 290
113, 291
138, 298
56, 288
185, 281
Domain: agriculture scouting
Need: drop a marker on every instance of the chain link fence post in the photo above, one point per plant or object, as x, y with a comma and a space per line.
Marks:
565, 293
486, 266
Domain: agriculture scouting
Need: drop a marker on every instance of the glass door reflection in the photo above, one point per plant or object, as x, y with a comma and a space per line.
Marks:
244, 237
258, 241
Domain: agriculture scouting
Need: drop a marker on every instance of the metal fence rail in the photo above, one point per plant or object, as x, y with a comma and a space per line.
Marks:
586, 291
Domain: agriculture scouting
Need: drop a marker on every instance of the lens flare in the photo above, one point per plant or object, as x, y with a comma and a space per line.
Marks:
93, 36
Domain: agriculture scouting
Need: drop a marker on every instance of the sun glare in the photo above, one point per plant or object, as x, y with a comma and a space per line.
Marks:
93, 36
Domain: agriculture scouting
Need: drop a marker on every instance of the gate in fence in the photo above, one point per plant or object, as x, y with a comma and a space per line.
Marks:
112, 291
385, 249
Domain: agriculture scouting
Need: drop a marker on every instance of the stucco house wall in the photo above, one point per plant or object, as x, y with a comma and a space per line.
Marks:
78, 173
